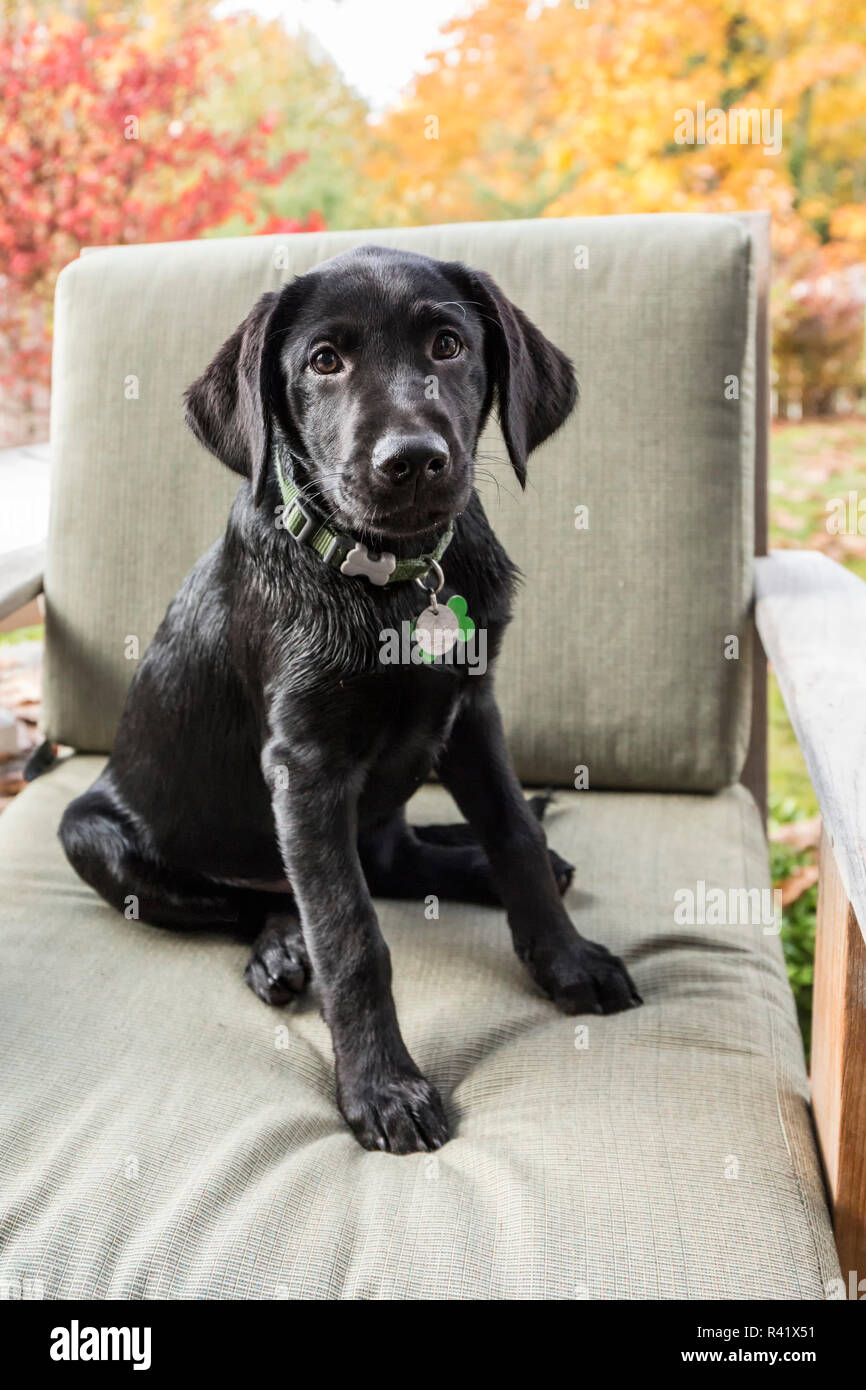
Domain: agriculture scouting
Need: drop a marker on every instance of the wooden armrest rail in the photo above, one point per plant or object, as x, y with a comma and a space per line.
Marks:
20, 577
811, 616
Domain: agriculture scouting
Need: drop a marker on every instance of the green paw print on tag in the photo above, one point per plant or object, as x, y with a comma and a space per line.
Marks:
465, 625
457, 604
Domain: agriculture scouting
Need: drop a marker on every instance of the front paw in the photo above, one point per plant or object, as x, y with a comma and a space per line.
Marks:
399, 1113
582, 977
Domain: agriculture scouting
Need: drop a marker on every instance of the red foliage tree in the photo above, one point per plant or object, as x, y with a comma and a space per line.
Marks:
97, 147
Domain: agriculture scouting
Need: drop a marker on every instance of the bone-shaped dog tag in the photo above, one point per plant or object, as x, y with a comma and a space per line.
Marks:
376, 568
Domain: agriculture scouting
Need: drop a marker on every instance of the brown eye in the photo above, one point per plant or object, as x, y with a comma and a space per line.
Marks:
446, 344
325, 361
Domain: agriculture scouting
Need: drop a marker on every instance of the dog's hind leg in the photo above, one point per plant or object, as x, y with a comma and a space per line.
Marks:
460, 833
403, 861
104, 846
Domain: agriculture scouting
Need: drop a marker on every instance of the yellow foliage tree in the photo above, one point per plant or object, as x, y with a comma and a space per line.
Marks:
564, 109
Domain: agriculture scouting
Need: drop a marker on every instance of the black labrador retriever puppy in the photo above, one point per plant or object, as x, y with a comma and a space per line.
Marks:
266, 751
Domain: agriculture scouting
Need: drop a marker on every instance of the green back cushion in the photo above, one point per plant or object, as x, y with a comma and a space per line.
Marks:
634, 534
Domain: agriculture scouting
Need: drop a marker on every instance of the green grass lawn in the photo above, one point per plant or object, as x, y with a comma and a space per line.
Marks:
23, 634
789, 780
811, 464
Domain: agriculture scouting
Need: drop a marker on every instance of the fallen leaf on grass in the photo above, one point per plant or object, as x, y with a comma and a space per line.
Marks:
786, 520
838, 547
795, 886
799, 834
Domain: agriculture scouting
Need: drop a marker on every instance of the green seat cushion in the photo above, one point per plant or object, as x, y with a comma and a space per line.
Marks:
620, 659
164, 1134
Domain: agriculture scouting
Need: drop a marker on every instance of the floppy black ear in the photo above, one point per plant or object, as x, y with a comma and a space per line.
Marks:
228, 407
534, 381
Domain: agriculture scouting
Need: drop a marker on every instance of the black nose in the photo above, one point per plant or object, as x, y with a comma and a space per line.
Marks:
402, 458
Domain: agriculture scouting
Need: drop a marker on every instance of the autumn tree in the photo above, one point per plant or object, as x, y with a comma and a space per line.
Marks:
262, 67
101, 143
567, 109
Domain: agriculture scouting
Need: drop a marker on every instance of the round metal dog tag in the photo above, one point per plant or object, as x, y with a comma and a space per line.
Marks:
437, 630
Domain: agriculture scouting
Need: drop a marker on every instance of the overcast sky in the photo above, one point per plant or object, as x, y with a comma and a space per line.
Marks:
378, 44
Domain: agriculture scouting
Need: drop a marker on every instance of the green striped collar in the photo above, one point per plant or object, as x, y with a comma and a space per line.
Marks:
340, 552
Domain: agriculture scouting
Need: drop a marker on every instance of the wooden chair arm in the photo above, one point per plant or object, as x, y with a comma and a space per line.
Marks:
811, 617
20, 577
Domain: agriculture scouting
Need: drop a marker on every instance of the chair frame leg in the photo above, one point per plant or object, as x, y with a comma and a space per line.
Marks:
838, 1069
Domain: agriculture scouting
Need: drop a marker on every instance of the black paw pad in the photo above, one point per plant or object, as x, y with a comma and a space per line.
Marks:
279, 968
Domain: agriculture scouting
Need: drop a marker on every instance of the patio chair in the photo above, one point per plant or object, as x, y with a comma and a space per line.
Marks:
166, 1135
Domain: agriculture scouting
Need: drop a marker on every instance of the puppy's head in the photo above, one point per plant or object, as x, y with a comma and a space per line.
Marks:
378, 369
